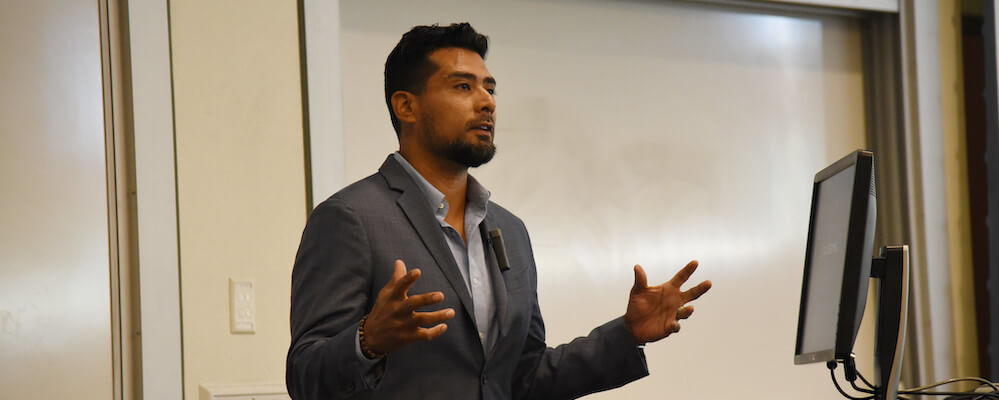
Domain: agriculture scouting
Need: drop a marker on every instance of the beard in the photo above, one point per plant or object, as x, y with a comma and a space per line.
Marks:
459, 151
470, 154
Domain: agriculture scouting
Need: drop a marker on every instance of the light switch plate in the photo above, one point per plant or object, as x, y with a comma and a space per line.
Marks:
242, 307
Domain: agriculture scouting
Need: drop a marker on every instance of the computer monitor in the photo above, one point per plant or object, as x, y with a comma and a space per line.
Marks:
837, 259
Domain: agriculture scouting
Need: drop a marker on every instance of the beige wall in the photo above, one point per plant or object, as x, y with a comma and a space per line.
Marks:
956, 175
241, 185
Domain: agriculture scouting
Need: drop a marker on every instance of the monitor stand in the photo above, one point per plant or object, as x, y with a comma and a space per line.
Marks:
891, 270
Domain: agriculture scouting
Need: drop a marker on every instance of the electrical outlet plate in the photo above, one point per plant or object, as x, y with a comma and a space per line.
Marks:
242, 307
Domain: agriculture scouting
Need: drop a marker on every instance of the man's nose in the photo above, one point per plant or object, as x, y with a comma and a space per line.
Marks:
487, 102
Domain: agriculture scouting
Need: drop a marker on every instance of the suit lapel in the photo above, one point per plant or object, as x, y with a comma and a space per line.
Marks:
498, 278
414, 204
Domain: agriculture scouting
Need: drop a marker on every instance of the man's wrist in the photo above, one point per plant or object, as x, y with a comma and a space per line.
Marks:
366, 351
628, 328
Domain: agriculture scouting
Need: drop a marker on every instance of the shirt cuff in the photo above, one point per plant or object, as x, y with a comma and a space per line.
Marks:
371, 369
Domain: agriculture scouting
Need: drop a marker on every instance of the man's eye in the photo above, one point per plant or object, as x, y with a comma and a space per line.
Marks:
464, 86
491, 91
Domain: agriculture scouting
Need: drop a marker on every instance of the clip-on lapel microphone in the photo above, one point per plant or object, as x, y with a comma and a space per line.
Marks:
496, 239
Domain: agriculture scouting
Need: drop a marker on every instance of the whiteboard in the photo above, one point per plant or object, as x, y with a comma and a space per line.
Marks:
651, 133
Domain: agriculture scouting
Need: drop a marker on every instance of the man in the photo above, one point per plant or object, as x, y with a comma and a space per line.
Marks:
411, 284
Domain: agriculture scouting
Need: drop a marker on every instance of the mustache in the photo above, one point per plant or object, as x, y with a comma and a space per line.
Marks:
481, 121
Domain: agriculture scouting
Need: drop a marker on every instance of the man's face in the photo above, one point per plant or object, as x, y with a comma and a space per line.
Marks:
457, 111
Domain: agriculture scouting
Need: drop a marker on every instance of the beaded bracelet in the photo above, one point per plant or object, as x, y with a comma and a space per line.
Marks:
364, 347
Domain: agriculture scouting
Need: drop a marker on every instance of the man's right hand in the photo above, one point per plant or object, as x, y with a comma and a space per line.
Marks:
394, 322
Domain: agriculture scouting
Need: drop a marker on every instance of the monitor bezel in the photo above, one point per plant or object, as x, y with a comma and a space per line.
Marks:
856, 271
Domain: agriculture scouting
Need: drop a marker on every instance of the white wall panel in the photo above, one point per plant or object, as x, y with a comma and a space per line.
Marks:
55, 309
155, 200
325, 100
651, 133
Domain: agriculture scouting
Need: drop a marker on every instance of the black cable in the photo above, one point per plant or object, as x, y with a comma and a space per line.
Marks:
866, 382
958, 396
850, 373
982, 382
924, 392
963, 395
832, 375
860, 389
993, 395
977, 396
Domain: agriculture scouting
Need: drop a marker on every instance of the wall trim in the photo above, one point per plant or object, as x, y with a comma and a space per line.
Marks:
322, 104
156, 200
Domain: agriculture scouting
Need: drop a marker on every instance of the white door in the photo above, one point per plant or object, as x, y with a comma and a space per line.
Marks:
55, 307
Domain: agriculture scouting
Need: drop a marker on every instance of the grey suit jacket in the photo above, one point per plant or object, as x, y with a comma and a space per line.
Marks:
347, 255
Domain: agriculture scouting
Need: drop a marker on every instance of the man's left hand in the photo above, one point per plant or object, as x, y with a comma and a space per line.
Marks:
655, 312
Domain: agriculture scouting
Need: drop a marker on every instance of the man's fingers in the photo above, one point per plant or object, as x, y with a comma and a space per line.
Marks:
403, 284
420, 300
684, 274
684, 312
399, 272
672, 327
696, 291
641, 282
433, 317
432, 332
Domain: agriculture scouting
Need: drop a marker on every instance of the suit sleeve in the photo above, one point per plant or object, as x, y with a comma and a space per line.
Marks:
605, 359
330, 290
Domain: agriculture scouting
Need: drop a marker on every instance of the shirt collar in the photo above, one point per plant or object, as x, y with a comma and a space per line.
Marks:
477, 197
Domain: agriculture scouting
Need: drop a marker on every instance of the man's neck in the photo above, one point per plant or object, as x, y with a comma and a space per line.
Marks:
447, 176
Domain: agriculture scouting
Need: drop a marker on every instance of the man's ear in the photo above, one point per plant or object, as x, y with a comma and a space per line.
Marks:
405, 106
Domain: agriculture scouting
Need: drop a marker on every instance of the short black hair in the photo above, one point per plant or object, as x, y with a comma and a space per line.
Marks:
408, 66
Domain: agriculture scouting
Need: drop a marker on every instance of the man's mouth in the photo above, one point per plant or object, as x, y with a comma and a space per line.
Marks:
486, 127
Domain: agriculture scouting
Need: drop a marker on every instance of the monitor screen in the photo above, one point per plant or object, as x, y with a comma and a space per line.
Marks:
837, 259
828, 256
